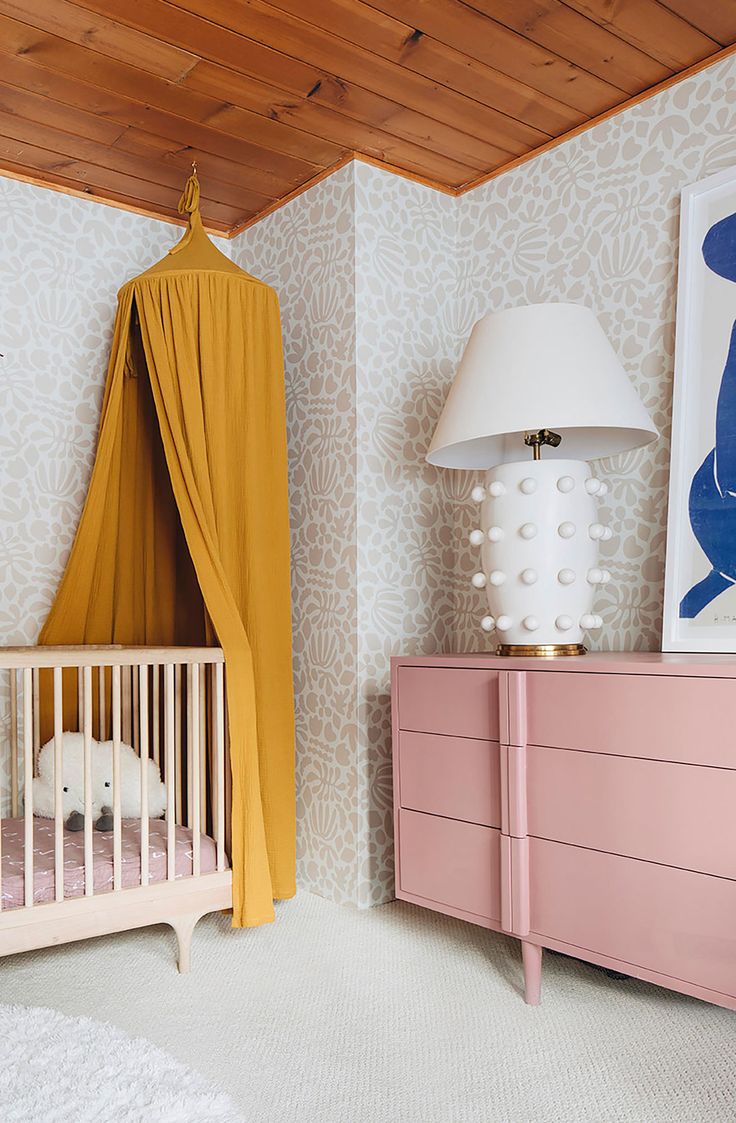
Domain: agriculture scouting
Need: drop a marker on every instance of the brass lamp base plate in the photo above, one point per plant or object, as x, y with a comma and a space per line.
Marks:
541, 650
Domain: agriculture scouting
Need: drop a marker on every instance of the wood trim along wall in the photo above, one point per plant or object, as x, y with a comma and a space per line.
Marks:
278, 203
9, 172
346, 159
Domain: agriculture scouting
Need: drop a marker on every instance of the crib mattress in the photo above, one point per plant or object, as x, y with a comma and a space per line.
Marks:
13, 835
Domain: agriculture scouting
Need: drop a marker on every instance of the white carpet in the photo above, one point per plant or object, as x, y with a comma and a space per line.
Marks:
75, 1070
395, 1015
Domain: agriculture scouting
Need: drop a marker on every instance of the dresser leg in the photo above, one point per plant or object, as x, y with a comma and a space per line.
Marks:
531, 955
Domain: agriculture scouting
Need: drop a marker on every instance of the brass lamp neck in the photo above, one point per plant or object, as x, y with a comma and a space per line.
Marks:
541, 437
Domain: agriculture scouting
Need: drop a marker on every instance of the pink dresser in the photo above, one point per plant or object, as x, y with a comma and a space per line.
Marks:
586, 805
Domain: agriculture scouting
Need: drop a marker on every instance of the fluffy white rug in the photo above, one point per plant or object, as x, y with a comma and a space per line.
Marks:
394, 1015
75, 1070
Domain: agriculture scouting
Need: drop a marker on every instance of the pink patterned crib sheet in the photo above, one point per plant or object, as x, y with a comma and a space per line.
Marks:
43, 858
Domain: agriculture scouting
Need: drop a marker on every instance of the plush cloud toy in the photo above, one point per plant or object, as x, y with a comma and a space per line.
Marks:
73, 783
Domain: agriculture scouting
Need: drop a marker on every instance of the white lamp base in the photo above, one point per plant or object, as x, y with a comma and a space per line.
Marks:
539, 538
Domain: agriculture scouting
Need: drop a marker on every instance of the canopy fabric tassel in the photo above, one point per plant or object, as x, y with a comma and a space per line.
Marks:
184, 536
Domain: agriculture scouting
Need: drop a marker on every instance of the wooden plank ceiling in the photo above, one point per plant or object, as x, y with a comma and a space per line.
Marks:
117, 97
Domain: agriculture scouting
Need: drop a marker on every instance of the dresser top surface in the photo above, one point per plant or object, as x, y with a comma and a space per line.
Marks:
611, 662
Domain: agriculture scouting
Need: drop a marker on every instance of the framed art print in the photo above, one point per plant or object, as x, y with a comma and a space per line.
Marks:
700, 578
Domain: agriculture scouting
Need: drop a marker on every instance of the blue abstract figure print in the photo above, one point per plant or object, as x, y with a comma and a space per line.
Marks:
712, 502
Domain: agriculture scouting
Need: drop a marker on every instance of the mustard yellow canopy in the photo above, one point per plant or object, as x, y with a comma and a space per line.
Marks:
184, 537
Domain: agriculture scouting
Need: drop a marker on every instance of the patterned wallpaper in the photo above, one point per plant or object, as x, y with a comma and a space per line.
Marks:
306, 250
596, 220
62, 261
406, 346
380, 281
364, 264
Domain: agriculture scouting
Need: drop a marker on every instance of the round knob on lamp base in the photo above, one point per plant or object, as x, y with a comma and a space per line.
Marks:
539, 567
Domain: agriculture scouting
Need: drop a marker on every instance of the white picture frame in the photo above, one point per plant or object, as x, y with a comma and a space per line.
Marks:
700, 583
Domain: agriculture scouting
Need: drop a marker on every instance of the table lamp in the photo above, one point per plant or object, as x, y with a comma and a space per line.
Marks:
538, 392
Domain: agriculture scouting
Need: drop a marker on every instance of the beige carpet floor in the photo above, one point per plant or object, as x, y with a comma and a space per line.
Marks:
395, 1015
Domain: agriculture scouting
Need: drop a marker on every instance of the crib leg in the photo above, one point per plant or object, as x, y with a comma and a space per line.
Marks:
184, 928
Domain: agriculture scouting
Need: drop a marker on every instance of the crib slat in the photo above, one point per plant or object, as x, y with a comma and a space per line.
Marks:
116, 818
101, 705
203, 746
58, 786
36, 693
126, 703
219, 734
135, 710
1, 833
143, 713
189, 747
13, 745
80, 700
156, 705
194, 776
169, 700
85, 676
28, 755
177, 740
12, 673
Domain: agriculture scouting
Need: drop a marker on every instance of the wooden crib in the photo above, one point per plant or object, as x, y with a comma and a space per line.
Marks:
169, 704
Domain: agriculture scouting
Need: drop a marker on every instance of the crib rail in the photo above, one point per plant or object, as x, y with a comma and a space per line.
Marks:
111, 655
167, 704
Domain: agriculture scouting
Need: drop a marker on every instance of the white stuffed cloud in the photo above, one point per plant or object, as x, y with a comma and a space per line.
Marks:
73, 780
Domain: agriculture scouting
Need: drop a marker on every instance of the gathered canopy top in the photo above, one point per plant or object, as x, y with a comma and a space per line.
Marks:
195, 251
184, 537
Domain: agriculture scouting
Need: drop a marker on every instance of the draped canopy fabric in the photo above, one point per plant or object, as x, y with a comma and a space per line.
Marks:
184, 537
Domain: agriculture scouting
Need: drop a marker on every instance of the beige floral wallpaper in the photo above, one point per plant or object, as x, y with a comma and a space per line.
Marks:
306, 250
62, 261
406, 350
380, 281
364, 264
596, 220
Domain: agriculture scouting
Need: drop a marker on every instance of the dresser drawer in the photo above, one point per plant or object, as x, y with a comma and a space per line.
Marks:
672, 921
451, 864
677, 814
664, 718
458, 702
458, 777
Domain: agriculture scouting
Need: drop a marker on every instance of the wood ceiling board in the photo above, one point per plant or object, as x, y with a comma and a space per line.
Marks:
651, 27
67, 57
402, 44
46, 111
269, 96
370, 140
226, 181
223, 137
289, 39
226, 51
165, 179
549, 23
113, 40
338, 109
26, 161
715, 18
502, 52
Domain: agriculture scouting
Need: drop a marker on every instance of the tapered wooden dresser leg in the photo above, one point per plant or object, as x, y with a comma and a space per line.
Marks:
531, 955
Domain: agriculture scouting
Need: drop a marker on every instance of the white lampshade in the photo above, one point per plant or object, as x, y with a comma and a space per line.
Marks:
541, 366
